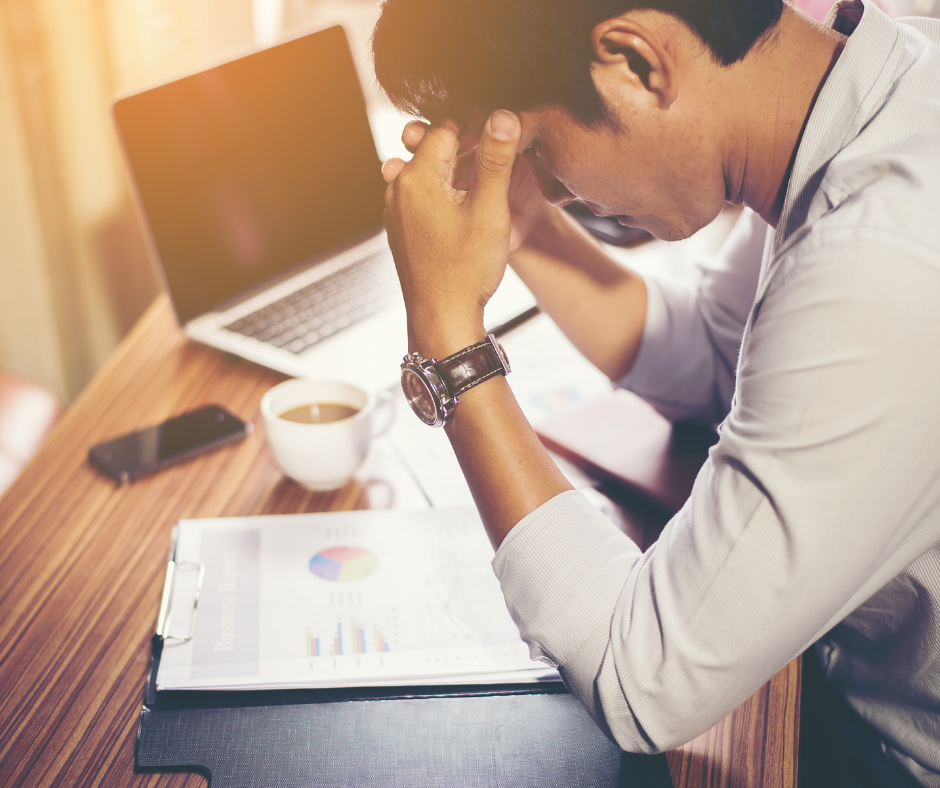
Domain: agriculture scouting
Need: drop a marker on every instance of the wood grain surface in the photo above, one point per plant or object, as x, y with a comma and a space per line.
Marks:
82, 561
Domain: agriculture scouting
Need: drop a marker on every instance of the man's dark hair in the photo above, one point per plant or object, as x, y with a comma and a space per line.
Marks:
446, 58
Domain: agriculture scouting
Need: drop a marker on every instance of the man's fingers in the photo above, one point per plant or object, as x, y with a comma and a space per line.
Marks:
392, 169
413, 134
390, 230
438, 150
468, 142
495, 156
464, 170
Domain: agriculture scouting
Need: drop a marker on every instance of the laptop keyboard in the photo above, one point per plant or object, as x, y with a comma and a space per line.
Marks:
319, 310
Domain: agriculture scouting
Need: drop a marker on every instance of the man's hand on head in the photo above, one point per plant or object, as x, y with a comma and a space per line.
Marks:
450, 244
526, 203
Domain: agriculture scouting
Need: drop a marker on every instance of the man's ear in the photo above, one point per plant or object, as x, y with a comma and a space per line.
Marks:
635, 53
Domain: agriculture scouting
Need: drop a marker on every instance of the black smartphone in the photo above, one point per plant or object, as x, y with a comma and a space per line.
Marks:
177, 439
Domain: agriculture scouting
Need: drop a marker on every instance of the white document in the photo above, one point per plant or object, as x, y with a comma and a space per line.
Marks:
341, 599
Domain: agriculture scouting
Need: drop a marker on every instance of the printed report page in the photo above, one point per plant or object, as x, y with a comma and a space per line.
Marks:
341, 599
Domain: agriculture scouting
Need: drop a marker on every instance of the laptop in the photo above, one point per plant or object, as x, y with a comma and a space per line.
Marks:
260, 189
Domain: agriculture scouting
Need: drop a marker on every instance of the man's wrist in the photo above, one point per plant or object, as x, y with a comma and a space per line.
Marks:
443, 340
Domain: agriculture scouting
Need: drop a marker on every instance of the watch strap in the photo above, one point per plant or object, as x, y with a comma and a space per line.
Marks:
471, 366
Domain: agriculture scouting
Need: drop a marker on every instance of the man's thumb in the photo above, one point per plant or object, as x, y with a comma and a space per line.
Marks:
495, 156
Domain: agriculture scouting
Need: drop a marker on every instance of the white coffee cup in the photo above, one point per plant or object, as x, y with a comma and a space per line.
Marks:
324, 456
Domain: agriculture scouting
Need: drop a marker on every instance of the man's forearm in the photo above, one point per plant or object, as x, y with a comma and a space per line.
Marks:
451, 248
597, 303
508, 470
601, 307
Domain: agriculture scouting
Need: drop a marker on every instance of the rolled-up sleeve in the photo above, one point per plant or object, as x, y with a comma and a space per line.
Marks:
686, 363
822, 487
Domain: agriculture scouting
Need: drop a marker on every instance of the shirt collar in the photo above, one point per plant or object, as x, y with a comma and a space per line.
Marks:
853, 92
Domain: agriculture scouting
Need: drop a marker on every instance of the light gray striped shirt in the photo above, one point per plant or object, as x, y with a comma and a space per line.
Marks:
817, 514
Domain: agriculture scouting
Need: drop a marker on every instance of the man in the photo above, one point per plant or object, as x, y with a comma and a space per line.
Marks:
816, 518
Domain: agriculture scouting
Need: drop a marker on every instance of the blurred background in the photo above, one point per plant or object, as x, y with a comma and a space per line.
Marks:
74, 272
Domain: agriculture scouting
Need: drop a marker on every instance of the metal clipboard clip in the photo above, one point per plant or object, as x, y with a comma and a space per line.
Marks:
169, 585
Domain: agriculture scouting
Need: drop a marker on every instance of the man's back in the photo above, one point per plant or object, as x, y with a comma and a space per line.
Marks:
882, 190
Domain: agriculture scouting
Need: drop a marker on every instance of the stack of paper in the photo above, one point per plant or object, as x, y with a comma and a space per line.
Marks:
341, 599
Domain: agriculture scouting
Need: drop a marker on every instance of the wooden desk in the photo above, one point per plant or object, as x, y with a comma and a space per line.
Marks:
82, 562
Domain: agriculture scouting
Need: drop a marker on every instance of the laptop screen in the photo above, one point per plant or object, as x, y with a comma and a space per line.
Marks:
254, 167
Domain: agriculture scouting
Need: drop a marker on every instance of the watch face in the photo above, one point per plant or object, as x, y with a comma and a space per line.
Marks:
419, 396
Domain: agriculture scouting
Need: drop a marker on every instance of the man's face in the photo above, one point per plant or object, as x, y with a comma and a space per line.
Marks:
651, 169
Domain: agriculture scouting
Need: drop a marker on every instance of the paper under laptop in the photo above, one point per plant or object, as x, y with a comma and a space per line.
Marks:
339, 599
260, 189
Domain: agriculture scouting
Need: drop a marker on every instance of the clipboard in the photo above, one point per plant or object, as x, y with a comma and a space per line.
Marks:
521, 735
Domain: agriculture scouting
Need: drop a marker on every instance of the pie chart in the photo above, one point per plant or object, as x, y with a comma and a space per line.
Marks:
343, 564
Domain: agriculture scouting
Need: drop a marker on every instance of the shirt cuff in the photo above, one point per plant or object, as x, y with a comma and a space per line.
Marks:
562, 569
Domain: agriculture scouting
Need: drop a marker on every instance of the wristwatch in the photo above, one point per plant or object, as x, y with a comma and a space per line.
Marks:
433, 387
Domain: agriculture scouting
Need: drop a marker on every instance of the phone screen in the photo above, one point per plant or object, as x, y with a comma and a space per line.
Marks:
176, 439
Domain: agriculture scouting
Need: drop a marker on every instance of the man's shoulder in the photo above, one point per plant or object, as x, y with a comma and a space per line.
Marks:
886, 179
926, 26
884, 232
884, 185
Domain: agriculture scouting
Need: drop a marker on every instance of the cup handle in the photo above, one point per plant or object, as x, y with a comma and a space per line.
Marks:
384, 400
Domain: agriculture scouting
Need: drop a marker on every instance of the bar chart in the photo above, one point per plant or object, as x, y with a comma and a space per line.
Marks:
348, 637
